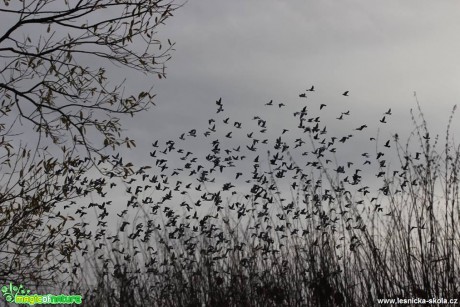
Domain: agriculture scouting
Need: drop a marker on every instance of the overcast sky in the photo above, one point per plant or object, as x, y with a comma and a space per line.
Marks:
249, 52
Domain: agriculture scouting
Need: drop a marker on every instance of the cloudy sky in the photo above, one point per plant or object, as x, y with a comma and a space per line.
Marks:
251, 51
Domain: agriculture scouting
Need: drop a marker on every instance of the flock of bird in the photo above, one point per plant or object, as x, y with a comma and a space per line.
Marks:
246, 174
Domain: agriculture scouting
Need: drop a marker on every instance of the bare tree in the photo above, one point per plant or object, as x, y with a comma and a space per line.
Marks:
44, 77
54, 58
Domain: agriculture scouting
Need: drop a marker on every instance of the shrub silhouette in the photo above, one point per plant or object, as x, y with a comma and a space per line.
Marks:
60, 113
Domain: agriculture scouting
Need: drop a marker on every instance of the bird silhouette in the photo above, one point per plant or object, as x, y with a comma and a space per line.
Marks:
123, 225
387, 144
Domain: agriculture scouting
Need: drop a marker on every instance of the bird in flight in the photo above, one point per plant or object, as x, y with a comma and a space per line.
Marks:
345, 93
387, 144
303, 95
312, 89
270, 103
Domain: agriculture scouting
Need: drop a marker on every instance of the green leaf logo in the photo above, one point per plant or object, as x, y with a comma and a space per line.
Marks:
10, 292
